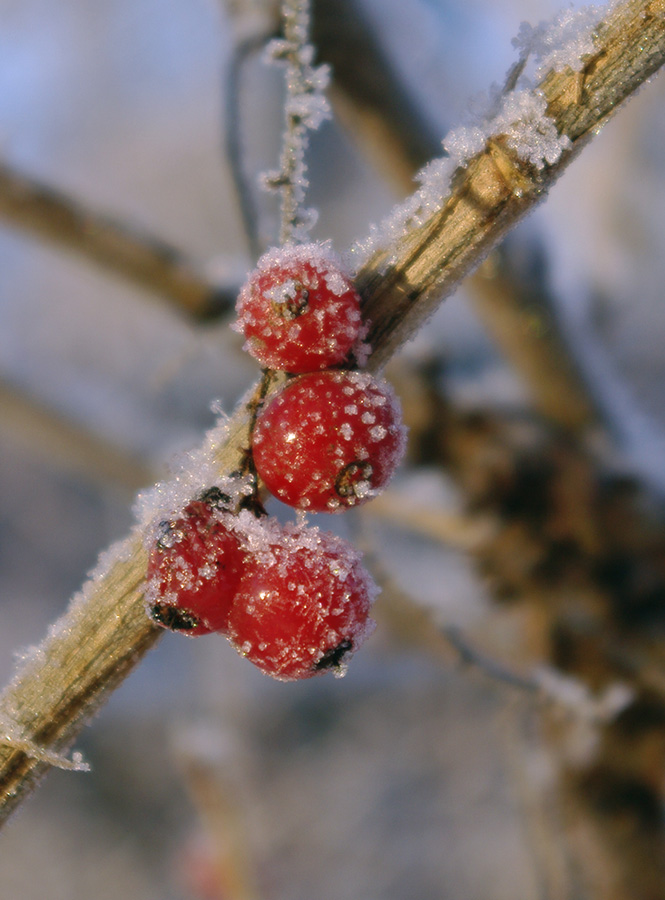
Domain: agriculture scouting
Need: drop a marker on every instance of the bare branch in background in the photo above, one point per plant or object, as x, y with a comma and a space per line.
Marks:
577, 551
512, 296
145, 260
369, 96
104, 634
75, 448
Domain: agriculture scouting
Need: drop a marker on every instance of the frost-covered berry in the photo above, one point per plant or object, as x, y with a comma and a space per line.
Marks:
329, 440
194, 569
302, 606
298, 311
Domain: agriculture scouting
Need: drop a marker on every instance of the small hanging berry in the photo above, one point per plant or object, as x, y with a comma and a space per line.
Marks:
298, 311
194, 569
329, 440
303, 605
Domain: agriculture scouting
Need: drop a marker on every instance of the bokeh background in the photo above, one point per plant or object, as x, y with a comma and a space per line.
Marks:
410, 777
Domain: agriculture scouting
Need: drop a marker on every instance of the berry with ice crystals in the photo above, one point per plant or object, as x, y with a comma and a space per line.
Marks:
303, 605
298, 311
194, 569
329, 440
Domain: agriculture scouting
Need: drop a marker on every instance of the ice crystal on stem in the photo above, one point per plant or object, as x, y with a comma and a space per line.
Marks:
306, 108
561, 43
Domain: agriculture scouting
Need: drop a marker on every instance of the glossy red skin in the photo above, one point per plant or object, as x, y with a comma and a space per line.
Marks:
194, 571
316, 445
296, 617
316, 332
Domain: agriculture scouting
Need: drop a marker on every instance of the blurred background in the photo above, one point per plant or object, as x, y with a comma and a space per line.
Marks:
412, 776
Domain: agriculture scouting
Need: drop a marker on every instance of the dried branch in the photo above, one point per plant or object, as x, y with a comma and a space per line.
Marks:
145, 260
520, 313
105, 634
86, 655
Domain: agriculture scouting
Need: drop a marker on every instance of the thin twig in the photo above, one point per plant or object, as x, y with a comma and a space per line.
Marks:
233, 131
305, 110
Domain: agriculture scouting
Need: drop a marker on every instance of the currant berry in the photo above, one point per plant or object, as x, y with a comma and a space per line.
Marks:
298, 311
194, 569
303, 606
329, 440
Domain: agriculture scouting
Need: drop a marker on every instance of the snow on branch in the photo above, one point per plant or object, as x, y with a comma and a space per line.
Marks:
497, 169
411, 265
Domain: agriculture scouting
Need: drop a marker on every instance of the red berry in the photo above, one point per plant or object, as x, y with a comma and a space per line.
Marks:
298, 311
329, 440
302, 606
194, 570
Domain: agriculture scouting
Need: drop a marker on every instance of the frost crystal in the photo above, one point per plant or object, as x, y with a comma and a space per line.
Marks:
529, 130
561, 43
192, 474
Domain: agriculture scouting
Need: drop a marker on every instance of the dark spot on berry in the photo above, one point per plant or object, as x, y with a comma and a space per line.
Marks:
173, 618
254, 505
293, 303
215, 498
333, 657
355, 473
169, 535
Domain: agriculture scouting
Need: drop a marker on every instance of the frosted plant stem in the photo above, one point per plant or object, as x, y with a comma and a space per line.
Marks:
86, 655
296, 30
305, 109
106, 632
143, 259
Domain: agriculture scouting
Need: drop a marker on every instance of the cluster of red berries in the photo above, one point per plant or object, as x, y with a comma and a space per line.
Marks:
332, 437
292, 599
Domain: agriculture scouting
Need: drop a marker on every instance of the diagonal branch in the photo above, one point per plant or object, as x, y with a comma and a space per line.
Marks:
106, 632
143, 259
403, 280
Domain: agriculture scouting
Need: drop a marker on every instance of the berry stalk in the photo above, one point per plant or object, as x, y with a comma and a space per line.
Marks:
306, 108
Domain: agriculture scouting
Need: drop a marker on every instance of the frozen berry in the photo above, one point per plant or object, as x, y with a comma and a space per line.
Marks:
194, 569
302, 606
298, 311
329, 440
